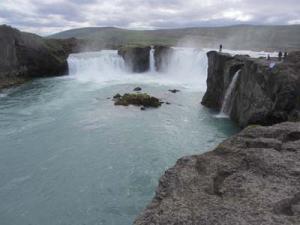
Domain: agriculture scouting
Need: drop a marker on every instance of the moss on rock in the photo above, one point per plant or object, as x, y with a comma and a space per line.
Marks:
138, 99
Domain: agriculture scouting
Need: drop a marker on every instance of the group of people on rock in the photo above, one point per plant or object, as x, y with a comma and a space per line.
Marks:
281, 55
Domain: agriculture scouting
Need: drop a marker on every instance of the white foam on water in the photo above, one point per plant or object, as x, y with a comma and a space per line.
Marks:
3, 95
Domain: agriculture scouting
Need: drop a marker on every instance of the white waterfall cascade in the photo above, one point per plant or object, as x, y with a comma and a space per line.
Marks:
189, 66
100, 66
152, 60
227, 102
186, 67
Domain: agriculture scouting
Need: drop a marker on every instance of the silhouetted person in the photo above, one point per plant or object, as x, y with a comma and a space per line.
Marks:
268, 57
221, 47
285, 55
280, 56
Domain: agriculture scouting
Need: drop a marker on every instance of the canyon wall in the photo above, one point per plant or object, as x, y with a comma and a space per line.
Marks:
266, 92
24, 56
136, 58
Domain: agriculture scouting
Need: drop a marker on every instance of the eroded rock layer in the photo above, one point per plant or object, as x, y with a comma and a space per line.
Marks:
267, 91
251, 178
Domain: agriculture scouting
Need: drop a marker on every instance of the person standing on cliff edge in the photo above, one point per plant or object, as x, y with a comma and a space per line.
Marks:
221, 47
285, 55
280, 56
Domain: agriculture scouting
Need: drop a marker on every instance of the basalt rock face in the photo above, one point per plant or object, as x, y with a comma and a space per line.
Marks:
263, 94
252, 178
136, 58
25, 55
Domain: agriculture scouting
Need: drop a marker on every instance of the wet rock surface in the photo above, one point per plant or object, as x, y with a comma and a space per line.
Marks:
136, 58
137, 89
251, 178
137, 99
174, 91
263, 95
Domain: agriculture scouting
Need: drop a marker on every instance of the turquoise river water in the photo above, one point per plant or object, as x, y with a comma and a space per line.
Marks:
68, 156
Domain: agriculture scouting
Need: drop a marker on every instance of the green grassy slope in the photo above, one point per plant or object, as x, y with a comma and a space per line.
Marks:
237, 37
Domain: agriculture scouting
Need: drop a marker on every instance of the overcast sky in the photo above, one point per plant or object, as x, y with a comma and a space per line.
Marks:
50, 16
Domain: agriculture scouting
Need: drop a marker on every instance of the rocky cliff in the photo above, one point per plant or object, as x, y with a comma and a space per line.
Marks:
266, 92
136, 58
25, 55
251, 178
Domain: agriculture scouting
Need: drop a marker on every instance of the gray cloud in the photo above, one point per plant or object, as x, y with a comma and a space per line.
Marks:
49, 16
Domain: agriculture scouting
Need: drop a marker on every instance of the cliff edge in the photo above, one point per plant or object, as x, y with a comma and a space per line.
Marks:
251, 178
25, 55
266, 92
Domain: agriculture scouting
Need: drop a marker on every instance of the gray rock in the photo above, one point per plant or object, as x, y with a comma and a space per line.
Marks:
174, 91
137, 89
251, 178
117, 96
136, 58
263, 95
137, 99
28, 54
25, 55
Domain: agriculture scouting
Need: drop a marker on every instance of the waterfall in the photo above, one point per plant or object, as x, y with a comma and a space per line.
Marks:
152, 60
185, 67
188, 66
227, 102
102, 66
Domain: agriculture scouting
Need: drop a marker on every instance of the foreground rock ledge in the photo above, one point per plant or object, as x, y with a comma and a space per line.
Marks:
251, 178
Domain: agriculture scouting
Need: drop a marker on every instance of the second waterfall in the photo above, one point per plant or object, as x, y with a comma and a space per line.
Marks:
152, 60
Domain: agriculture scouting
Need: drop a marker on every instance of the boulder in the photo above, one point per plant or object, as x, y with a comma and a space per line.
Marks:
174, 91
138, 99
251, 178
117, 96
